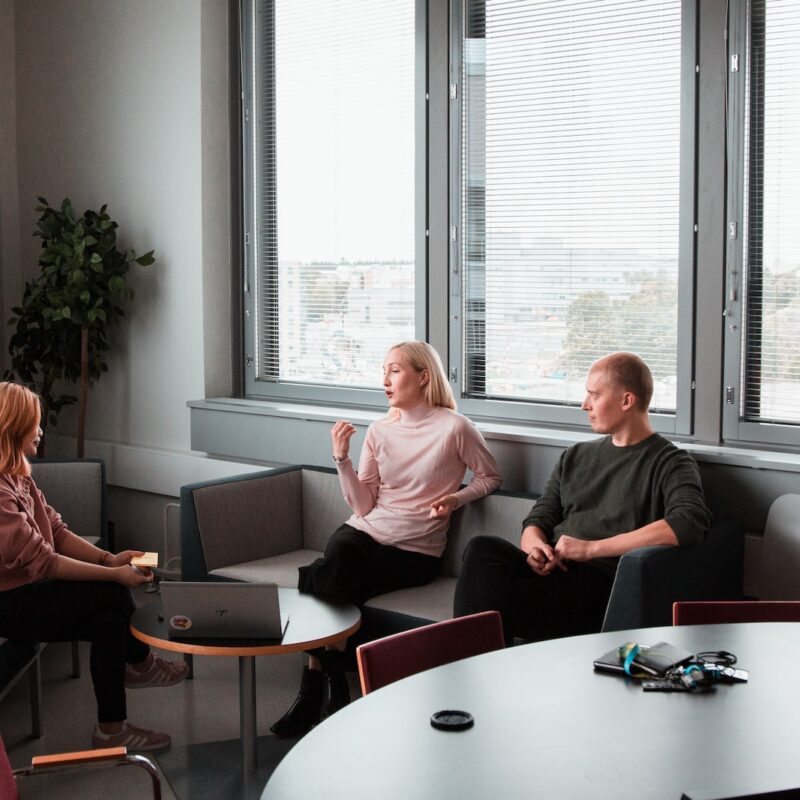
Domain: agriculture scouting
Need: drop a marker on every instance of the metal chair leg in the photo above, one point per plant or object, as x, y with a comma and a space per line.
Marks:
35, 678
189, 659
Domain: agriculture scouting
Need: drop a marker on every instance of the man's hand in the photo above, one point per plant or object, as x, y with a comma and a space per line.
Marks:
542, 559
569, 548
443, 507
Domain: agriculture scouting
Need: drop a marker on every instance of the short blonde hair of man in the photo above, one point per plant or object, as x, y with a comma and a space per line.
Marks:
20, 414
422, 356
629, 372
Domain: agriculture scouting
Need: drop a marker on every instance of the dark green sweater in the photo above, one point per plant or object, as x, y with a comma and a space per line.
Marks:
598, 490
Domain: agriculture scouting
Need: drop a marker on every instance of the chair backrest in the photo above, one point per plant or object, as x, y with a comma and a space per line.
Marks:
76, 488
240, 518
387, 660
717, 612
780, 551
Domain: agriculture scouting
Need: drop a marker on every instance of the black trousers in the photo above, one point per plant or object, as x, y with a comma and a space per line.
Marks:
355, 567
93, 611
495, 576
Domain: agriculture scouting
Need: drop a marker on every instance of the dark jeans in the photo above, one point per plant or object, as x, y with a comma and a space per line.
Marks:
495, 576
355, 567
93, 611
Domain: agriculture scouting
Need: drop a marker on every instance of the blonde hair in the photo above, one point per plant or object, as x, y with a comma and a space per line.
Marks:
20, 413
629, 372
422, 356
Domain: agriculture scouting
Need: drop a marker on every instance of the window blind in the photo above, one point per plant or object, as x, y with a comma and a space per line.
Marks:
771, 330
333, 187
569, 193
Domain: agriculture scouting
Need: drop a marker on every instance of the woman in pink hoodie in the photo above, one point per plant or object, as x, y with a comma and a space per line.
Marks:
407, 485
56, 587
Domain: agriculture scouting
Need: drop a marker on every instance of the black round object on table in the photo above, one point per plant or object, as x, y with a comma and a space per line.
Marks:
452, 720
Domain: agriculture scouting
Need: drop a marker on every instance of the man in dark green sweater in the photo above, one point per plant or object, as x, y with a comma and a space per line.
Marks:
632, 488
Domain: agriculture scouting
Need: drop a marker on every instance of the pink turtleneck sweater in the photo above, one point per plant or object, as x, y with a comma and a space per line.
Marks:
406, 463
30, 531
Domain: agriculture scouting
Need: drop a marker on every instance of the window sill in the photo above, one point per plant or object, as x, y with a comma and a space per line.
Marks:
522, 434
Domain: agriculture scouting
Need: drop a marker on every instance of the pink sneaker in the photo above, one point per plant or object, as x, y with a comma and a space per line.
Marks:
159, 672
131, 737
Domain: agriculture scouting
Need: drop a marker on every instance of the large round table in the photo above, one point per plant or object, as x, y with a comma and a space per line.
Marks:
548, 726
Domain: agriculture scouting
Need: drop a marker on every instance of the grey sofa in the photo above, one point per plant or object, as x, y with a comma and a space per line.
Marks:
263, 526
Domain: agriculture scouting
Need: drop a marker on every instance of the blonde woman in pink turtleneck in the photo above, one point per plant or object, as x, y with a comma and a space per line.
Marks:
56, 587
406, 488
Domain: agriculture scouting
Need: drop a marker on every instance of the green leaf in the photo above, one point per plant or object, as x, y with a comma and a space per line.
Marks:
117, 284
85, 296
66, 312
42, 201
146, 260
96, 258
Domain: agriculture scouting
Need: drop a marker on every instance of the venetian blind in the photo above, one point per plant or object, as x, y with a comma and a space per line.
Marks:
570, 193
771, 344
334, 187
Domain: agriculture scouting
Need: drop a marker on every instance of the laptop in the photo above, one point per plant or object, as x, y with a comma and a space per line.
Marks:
222, 610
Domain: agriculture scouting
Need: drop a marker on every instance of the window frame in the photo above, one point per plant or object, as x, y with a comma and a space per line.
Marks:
569, 415
735, 428
291, 391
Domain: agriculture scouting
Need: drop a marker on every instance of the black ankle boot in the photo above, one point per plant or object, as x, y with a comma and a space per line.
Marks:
336, 692
304, 712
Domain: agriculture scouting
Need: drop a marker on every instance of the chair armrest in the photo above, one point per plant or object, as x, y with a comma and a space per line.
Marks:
110, 756
650, 579
78, 757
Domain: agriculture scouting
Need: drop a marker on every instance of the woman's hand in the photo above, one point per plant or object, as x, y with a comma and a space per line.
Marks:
132, 576
120, 559
443, 507
341, 433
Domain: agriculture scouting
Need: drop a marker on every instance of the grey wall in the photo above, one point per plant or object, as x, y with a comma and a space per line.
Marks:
104, 101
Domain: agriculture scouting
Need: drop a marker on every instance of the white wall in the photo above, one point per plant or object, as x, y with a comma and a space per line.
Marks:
108, 110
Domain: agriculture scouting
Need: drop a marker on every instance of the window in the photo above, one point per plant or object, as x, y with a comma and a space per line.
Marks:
330, 191
541, 210
764, 307
576, 223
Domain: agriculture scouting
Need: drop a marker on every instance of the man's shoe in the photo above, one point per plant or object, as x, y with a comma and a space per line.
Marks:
304, 712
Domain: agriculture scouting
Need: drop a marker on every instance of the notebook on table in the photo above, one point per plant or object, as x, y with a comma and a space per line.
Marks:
226, 610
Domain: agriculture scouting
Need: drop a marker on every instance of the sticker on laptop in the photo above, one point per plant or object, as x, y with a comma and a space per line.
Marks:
180, 622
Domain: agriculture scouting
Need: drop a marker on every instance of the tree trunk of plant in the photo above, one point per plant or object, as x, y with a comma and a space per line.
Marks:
84, 390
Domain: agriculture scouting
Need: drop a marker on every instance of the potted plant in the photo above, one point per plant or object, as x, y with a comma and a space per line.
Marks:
61, 324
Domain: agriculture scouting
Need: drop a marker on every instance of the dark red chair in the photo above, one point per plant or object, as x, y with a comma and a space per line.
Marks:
715, 612
387, 660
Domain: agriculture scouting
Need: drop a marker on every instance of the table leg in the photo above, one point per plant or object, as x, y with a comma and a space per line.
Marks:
247, 712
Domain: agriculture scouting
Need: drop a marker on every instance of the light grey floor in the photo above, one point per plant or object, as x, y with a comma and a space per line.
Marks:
205, 709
